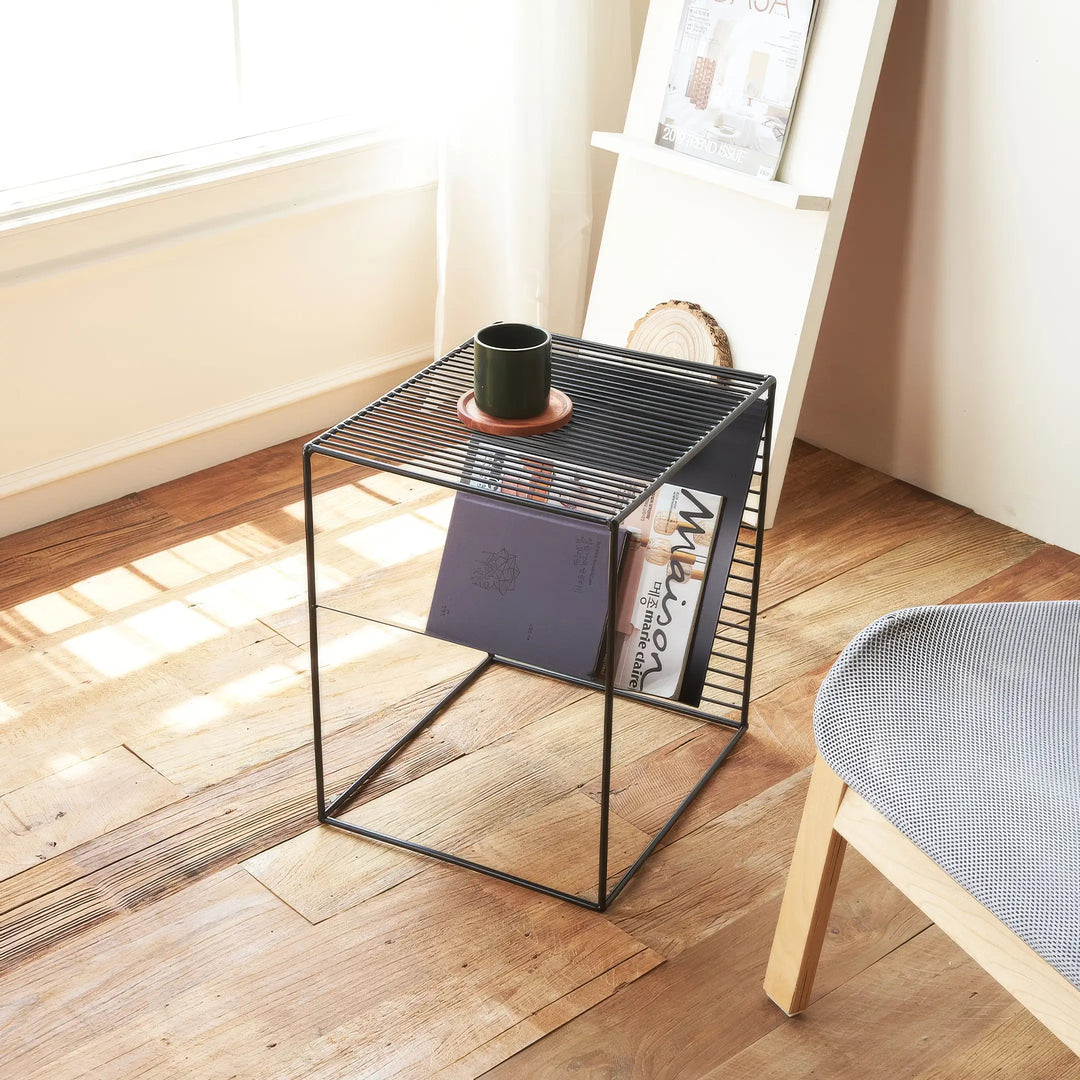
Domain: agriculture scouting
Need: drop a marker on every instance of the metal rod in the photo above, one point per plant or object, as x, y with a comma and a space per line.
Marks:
726, 656
658, 838
411, 445
586, 395
468, 864
313, 635
609, 710
692, 452
727, 674
341, 803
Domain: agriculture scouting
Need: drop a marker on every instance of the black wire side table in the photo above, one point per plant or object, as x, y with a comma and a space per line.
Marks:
638, 421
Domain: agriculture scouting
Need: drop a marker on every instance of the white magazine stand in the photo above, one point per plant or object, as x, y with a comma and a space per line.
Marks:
756, 254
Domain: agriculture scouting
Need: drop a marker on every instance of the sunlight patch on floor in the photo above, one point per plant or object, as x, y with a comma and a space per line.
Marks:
391, 542
259, 684
194, 714
188, 562
52, 612
438, 513
117, 588
363, 642
142, 639
341, 506
202, 712
112, 651
246, 597
95, 634
174, 627
64, 761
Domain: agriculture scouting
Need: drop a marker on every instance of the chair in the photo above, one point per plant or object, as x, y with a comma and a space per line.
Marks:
949, 756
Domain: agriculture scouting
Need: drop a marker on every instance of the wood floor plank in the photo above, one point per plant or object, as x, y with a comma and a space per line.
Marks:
558, 845
516, 804
78, 804
281, 792
823, 481
923, 1003
206, 691
553, 1016
785, 716
219, 731
676, 1022
101, 659
801, 449
718, 873
154, 997
163, 852
1018, 1047
34, 741
238, 489
706, 1004
799, 635
182, 652
48, 557
1051, 573
648, 790
325, 871
878, 518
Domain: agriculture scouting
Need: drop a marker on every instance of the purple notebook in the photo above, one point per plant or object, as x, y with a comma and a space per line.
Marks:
523, 584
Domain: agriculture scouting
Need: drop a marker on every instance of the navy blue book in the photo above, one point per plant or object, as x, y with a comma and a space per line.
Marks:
520, 583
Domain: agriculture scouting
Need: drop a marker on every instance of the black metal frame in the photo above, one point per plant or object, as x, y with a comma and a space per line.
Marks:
412, 431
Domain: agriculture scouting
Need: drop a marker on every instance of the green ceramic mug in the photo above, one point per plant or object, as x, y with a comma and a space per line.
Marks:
512, 370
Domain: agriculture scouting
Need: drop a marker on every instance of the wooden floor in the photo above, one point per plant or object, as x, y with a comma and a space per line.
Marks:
168, 907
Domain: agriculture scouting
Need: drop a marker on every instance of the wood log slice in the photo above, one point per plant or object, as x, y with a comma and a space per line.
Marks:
682, 329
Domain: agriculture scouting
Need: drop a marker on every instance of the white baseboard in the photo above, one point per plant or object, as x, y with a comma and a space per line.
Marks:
109, 470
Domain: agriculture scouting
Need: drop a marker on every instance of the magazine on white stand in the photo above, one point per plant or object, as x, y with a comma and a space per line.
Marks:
734, 79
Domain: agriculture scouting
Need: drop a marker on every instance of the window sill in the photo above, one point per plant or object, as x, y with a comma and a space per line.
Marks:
70, 223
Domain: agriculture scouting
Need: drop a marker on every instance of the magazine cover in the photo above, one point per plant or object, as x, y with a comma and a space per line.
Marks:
733, 81
524, 584
672, 535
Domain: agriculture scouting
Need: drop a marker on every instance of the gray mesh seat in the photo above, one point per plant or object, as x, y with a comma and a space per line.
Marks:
961, 725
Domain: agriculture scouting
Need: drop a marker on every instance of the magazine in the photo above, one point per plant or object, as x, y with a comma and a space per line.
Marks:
672, 536
733, 81
524, 584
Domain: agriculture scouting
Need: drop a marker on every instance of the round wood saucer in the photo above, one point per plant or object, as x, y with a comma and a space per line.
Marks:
558, 412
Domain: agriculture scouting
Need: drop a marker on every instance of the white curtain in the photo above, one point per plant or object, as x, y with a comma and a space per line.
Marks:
524, 84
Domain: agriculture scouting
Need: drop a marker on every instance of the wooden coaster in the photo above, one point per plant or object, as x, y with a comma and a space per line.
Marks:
558, 412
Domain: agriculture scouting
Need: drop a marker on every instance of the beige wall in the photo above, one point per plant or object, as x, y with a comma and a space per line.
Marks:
948, 354
149, 340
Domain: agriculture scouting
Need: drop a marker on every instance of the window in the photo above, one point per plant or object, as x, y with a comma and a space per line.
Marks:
96, 90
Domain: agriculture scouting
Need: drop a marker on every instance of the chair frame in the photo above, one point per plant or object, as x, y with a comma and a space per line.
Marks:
835, 816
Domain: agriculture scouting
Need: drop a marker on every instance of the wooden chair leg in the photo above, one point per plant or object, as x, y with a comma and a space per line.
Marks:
808, 898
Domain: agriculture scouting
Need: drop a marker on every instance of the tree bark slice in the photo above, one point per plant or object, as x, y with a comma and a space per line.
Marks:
684, 330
